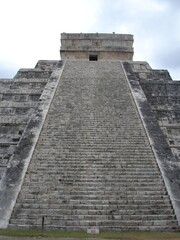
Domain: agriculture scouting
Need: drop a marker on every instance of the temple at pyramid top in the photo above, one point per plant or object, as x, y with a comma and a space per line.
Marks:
96, 46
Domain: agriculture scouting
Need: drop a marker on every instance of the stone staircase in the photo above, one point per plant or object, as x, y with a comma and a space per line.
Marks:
93, 167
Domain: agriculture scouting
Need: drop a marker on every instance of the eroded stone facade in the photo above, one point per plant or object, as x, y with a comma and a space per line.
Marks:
104, 46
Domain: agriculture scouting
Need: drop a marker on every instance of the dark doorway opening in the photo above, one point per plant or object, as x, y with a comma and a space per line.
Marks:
93, 57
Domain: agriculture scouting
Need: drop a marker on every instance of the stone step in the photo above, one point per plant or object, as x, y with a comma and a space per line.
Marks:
14, 120
95, 170
115, 197
95, 164
102, 184
96, 141
96, 223
94, 167
95, 177
77, 179
107, 190
32, 73
123, 206
115, 167
88, 198
33, 208
74, 153
138, 206
30, 80
121, 154
90, 182
106, 187
92, 204
164, 228
114, 171
12, 104
101, 229
108, 155
22, 91
93, 187
96, 217
98, 159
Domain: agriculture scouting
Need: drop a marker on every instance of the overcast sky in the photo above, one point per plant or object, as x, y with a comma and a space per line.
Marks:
30, 29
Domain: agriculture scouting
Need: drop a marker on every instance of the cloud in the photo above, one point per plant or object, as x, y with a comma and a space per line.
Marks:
7, 69
30, 30
154, 24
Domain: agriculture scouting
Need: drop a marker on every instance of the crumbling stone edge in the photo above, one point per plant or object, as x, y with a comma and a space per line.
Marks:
13, 177
168, 167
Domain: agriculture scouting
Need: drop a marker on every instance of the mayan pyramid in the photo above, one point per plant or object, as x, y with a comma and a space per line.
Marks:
90, 142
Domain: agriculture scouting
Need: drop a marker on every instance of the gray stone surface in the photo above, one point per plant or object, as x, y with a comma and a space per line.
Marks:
156, 90
18, 99
17, 147
93, 166
105, 46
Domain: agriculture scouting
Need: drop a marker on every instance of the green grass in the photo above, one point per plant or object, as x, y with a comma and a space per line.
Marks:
108, 235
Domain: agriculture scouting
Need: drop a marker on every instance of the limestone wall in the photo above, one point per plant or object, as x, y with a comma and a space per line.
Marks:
157, 98
106, 46
22, 103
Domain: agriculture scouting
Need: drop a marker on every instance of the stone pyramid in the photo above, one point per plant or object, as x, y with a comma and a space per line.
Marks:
90, 142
